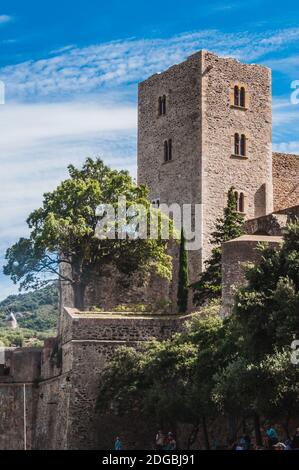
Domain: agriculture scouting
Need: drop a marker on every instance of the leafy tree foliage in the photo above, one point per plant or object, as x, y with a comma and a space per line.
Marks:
227, 228
240, 366
267, 308
62, 233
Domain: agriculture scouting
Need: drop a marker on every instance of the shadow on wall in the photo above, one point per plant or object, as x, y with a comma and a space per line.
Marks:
260, 201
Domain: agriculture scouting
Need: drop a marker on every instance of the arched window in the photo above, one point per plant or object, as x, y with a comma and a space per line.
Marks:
242, 203
164, 104
237, 144
236, 96
243, 145
169, 149
242, 97
165, 151
160, 106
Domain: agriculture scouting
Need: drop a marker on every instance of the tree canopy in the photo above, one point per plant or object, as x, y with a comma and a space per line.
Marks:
239, 366
62, 232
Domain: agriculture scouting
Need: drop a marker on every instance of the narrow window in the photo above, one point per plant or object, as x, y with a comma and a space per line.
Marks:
165, 151
242, 97
237, 144
241, 203
164, 104
236, 96
160, 106
170, 149
243, 145
236, 200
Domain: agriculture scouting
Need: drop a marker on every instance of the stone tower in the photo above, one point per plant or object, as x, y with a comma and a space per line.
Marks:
204, 126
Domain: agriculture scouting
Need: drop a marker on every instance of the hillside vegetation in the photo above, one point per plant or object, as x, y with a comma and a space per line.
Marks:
36, 313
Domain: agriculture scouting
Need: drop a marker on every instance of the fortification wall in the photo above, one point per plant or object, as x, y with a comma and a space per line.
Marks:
272, 224
12, 415
235, 254
114, 288
285, 180
23, 366
89, 342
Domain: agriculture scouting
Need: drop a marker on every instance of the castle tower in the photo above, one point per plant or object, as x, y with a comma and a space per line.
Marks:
204, 126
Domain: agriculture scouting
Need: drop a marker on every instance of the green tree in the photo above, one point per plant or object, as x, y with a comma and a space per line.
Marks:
62, 233
183, 276
227, 228
169, 381
267, 307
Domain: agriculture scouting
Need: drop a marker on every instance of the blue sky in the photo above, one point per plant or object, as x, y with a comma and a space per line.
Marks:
71, 71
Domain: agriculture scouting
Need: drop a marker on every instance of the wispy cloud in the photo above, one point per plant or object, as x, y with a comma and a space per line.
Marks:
4, 19
84, 70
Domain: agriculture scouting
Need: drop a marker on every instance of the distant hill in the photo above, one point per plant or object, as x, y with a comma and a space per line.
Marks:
37, 310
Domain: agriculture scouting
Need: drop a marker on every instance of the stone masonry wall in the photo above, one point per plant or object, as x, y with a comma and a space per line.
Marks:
272, 224
176, 181
12, 415
235, 254
89, 342
285, 180
252, 174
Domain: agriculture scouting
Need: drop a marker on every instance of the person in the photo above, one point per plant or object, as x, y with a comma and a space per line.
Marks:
247, 440
272, 436
117, 444
159, 440
279, 446
295, 439
170, 442
240, 444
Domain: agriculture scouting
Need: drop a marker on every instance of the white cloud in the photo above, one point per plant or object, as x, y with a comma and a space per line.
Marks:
5, 19
39, 141
74, 70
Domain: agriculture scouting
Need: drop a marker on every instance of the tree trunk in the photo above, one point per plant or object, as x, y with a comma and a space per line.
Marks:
192, 436
286, 427
232, 428
205, 433
79, 291
78, 286
257, 429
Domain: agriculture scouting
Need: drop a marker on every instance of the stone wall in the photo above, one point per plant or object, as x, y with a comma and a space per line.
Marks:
235, 254
114, 288
272, 224
24, 367
285, 180
12, 415
62, 382
177, 181
251, 174
88, 342
201, 122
